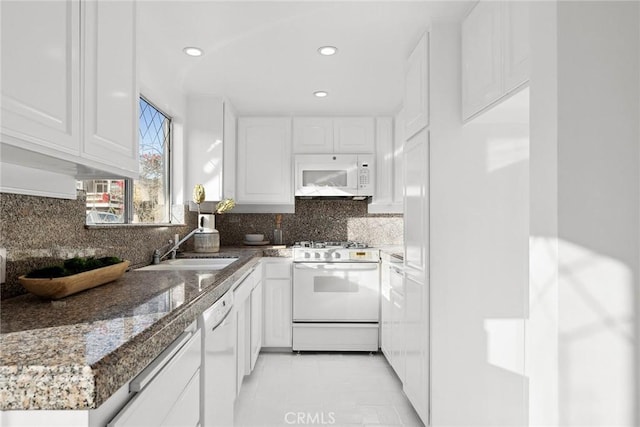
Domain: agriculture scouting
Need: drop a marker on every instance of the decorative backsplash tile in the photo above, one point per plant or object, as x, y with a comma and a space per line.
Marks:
41, 231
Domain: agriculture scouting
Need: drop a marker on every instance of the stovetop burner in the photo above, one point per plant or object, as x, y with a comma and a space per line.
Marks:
327, 244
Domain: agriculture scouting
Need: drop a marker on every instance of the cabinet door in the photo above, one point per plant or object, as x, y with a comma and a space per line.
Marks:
384, 161
354, 134
481, 57
312, 135
416, 201
416, 93
516, 44
264, 161
416, 332
256, 323
41, 76
229, 143
385, 311
175, 381
186, 410
204, 145
277, 313
110, 85
242, 311
396, 281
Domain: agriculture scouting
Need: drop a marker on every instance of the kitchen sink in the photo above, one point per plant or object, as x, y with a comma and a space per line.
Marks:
192, 264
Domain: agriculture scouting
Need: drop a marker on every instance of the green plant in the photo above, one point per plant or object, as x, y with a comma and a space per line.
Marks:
73, 266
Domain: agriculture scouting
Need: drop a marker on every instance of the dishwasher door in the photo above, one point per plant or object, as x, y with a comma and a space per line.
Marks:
218, 363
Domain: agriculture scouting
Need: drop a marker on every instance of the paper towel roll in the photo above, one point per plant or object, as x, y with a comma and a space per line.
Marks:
207, 222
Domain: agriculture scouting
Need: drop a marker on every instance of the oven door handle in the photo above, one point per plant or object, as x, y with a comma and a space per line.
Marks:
362, 266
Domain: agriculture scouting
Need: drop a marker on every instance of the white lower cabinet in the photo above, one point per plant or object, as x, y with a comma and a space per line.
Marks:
416, 334
256, 320
385, 310
167, 392
397, 322
247, 307
277, 302
405, 331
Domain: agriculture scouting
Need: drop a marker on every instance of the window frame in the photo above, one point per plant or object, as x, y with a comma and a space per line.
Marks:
128, 213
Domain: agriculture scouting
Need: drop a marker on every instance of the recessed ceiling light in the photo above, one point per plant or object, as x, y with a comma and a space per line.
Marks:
192, 51
327, 50
320, 93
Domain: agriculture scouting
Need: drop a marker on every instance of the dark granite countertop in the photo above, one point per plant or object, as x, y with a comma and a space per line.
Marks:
76, 352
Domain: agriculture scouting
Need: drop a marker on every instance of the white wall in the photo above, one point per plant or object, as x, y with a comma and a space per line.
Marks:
585, 164
479, 255
541, 352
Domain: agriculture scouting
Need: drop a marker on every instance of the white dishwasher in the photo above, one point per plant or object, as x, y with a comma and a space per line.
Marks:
218, 369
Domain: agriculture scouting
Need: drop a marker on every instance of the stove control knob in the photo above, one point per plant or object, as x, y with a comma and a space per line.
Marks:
337, 255
327, 255
307, 255
317, 254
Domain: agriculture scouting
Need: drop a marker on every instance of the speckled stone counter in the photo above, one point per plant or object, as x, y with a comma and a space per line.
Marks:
76, 352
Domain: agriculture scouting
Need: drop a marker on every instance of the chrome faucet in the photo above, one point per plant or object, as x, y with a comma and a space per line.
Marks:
156, 254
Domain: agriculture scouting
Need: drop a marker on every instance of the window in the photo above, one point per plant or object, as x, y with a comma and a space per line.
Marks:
146, 200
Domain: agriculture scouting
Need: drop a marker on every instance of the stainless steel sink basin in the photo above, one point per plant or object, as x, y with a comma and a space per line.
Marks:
192, 264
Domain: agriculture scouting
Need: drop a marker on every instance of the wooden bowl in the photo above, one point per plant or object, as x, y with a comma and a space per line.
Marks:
60, 287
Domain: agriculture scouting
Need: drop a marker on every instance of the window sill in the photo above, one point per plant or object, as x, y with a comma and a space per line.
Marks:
112, 226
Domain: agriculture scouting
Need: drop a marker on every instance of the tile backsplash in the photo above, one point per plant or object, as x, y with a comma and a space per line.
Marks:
41, 231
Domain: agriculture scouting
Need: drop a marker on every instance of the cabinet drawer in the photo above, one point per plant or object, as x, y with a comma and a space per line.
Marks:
273, 270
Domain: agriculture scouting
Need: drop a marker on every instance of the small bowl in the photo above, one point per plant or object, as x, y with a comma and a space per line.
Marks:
254, 237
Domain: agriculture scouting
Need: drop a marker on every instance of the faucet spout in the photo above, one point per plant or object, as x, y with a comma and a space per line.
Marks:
181, 241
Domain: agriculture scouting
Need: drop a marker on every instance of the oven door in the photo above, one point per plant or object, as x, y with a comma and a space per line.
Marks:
336, 292
326, 175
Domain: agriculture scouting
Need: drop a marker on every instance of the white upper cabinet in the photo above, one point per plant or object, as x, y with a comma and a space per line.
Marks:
229, 148
333, 135
517, 47
416, 93
264, 174
210, 146
354, 134
41, 76
495, 53
312, 135
110, 86
69, 87
388, 192
481, 57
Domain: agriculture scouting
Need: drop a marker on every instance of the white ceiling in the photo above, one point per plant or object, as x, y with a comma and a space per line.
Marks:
262, 55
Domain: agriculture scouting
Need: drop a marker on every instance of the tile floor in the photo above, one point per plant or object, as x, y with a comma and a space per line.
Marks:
323, 389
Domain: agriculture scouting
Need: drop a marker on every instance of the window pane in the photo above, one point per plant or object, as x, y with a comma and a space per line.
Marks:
151, 202
105, 201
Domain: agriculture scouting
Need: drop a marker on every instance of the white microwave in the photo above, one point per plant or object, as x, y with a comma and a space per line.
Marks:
334, 175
